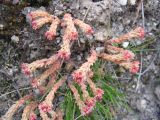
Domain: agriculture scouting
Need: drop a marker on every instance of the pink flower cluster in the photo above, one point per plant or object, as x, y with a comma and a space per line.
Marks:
40, 18
34, 83
82, 77
78, 77
134, 67
90, 102
136, 33
37, 13
51, 33
85, 27
33, 117
44, 107
36, 24
128, 55
99, 94
64, 52
25, 69
87, 110
89, 106
120, 56
81, 74
70, 30
140, 32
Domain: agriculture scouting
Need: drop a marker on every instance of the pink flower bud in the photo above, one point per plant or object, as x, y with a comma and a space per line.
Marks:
134, 67
99, 94
34, 25
34, 83
115, 41
89, 30
140, 32
73, 36
25, 69
49, 35
33, 117
67, 15
30, 16
44, 107
90, 102
86, 110
78, 77
128, 55
85, 27
63, 54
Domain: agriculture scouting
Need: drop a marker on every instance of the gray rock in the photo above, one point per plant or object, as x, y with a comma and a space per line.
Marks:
34, 54
79, 58
26, 10
58, 12
122, 2
157, 92
100, 35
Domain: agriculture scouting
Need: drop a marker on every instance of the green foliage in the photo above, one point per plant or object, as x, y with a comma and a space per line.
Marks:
69, 106
104, 110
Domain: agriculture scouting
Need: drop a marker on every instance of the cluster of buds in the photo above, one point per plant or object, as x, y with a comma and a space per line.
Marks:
46, 106
136, 33
86, 106
85, 27
70, 34
12, 110
53, 64
120, 56
39, 18
28, 112
27, 69
82, 77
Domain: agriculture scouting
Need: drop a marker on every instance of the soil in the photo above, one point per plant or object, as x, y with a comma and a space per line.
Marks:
20, 43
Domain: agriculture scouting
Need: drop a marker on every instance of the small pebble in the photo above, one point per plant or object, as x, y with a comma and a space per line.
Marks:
15, 39
100, 36
125, 44
99, 49
138, 42
133, 86
143, 103
58, 40
132, 2
79, 58
82, 40
1, 26
122, 2
61, 98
